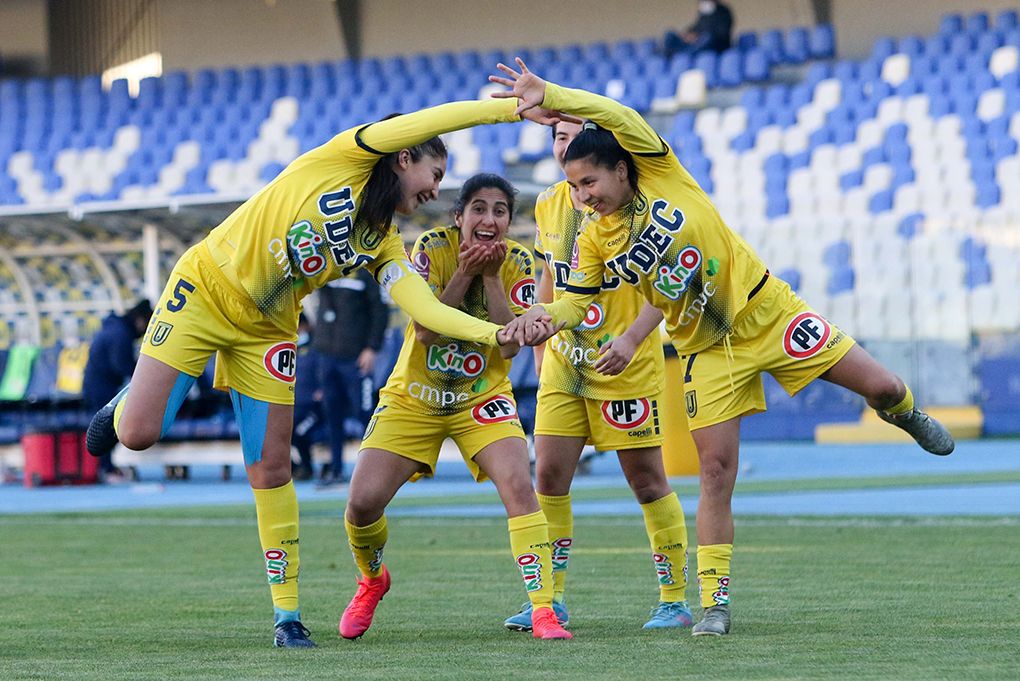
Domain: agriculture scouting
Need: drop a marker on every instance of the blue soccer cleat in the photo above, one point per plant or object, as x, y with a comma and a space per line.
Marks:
522, 620
292, 634
670, 616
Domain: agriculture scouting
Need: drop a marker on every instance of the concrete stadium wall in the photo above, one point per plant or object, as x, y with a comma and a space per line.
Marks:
23, 29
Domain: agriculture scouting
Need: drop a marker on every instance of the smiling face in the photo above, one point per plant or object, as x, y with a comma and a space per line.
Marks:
486, 217
604, 190
565, 134
419, 180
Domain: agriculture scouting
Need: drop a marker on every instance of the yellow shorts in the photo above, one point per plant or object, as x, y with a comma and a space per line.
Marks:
608, 425
781, 335
418, 436
200, 313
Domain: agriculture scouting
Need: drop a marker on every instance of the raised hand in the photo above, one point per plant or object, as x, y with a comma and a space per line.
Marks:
529, 89
473, 259
494, 259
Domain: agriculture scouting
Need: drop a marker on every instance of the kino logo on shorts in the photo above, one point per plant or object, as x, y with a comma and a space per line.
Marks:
806, 335
281, 362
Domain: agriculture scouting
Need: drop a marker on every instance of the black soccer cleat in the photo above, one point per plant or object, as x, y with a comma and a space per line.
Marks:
292, 634
101, 438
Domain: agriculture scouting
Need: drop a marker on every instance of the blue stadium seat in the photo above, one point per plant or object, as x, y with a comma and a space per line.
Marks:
1006, 20
731, 73
977, 23
841, 280
910, 225
951, 24
822, 42
771, 42
747, 41
795, 45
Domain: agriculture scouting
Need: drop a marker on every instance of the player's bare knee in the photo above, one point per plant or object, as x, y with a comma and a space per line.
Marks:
137, 435
886, 391
362, 510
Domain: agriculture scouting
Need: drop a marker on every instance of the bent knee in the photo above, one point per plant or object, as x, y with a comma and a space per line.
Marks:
137, 436
886, 392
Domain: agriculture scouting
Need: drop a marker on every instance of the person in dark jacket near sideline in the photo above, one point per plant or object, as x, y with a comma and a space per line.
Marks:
111, 362
712, 31
349, 331
307, 402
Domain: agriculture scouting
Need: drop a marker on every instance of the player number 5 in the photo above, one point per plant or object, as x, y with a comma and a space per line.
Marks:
179, 298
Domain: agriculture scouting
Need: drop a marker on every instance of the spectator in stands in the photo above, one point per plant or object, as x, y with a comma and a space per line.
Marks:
110, 364
237, 294
308, 416
729, 318
712, 30
349, 331
444, 388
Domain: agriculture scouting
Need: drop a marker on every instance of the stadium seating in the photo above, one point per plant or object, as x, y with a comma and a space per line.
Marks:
886, 189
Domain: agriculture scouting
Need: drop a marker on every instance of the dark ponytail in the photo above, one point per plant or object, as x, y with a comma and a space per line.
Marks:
381, 195
476, 183
600, 147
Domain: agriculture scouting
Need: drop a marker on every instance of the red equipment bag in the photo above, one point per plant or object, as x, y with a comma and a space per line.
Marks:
58, 458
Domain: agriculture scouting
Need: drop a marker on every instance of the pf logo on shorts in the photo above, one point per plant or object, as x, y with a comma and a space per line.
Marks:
626, 414
806, 335
500, 408
281, 362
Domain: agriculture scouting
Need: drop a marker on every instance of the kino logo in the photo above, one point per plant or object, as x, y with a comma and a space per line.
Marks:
281, 362
673, 283
448, 359
276, 566
806, 335
531, 571
624, 414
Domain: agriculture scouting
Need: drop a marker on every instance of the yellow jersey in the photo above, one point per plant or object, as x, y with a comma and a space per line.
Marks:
669, 242
449, 375
301, 229
568, 363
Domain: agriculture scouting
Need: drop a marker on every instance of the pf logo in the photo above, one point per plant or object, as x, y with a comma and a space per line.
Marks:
281, 362
523, 293
593, 317
626, 414
806, 335
500, 408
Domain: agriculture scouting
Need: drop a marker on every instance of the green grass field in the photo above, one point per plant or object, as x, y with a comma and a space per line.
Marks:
180, 594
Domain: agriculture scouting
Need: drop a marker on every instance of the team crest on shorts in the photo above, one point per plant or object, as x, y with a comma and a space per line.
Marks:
691, 400
806, 335
626, 414
160, 333
496, 410
280, 361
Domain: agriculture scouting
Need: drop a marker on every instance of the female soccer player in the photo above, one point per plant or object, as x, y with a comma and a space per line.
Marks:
238, 293
443, 388
591, 390
730, 319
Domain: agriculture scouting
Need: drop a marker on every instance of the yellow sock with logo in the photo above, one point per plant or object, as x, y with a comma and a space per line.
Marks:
667, 534
277, 512
367, 545
560, 516
904, 405
529, 542
714, 574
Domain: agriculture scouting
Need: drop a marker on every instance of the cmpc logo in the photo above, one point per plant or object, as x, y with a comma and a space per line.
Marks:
449, 359
806, 335
497, 410
626, 414
281, 362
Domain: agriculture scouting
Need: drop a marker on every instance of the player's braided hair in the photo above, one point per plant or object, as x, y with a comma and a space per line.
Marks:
600, 147
382, 191
476, 183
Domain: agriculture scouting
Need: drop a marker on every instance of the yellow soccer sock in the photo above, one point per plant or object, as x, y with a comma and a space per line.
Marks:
904, 405
529, 542
667, 534
277, 512
117, 411
560, 516
714, 574
367, 545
